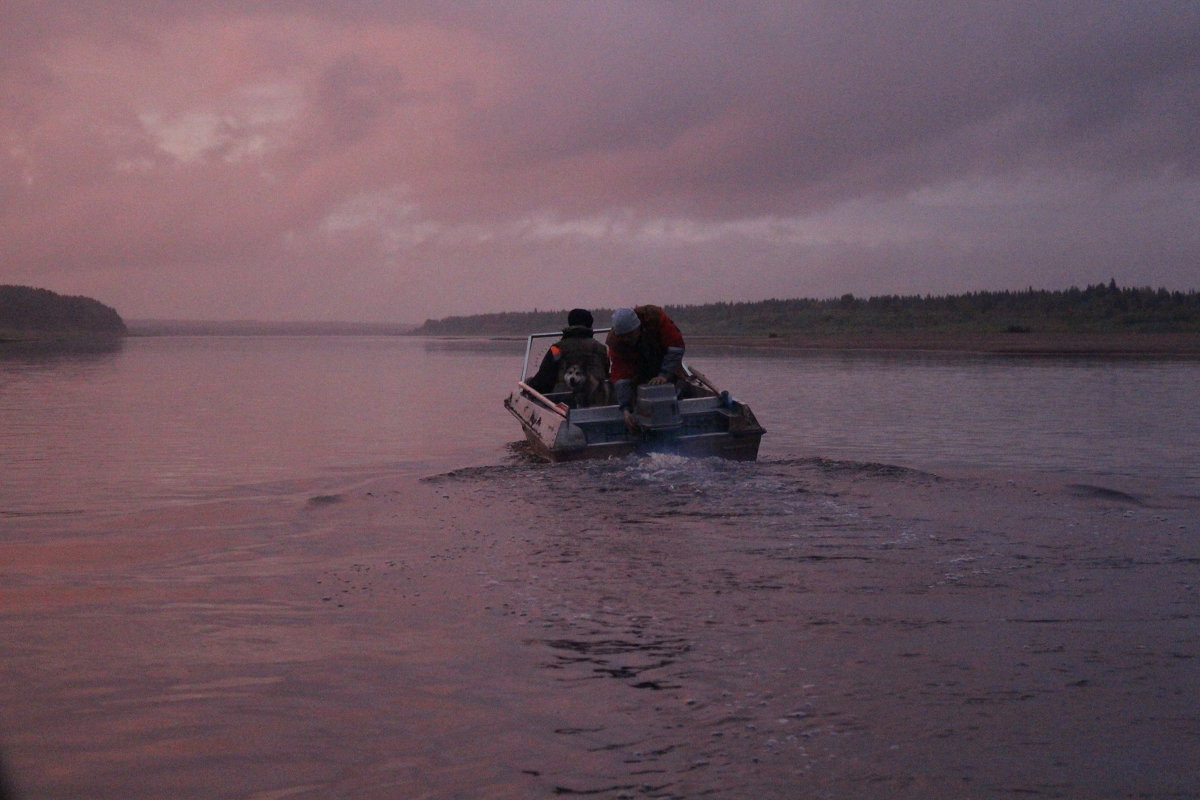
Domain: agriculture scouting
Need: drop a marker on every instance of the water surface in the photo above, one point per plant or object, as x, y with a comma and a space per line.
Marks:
169, 419
331, 572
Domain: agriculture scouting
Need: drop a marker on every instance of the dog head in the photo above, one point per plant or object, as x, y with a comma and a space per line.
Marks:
575, 375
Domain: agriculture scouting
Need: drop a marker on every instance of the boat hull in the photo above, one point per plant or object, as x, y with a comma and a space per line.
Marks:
709, 427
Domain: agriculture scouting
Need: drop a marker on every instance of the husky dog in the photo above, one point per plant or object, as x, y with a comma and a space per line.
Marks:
586, 388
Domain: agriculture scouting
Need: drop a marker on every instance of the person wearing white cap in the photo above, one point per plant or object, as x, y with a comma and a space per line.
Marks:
645, 346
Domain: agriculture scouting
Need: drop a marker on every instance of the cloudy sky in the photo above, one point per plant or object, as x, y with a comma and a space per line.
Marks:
386, 160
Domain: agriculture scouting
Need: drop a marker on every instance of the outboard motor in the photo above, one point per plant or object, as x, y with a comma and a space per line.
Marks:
657, 408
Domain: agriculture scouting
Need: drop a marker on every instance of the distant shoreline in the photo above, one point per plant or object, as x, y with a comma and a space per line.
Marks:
1131, 345
154, 327
1172, 345
59, 342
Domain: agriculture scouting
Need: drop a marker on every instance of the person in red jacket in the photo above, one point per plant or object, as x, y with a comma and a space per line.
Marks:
644, 347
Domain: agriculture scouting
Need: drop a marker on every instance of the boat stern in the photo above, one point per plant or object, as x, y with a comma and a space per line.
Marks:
545, 425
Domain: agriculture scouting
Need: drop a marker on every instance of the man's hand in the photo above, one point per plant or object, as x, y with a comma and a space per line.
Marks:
657, 380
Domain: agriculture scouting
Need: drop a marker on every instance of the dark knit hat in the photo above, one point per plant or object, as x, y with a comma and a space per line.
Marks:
580, 316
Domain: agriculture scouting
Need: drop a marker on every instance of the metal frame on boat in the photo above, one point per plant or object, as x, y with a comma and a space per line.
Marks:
693, 418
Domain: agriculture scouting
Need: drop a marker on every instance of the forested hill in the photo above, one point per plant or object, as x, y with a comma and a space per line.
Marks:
28, 313
1096, 309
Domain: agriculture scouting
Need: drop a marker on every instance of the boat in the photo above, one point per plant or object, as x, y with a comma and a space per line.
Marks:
691, 418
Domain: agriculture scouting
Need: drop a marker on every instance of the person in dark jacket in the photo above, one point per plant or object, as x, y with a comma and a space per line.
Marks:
644, 347
576, 341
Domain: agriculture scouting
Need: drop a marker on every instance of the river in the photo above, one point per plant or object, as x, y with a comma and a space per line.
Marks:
168, 419
260, 568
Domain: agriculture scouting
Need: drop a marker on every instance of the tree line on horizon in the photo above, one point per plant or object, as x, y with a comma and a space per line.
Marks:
26, 311
1095, 309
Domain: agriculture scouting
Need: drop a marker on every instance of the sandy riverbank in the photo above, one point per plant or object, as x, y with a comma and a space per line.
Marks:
652, 628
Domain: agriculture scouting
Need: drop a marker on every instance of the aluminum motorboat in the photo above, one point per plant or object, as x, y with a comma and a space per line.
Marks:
690, 417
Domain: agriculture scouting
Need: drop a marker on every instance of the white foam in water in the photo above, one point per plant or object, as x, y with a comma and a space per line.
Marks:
708, 483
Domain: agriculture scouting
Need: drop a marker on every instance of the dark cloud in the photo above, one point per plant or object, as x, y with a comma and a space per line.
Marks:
808, 104
354, 95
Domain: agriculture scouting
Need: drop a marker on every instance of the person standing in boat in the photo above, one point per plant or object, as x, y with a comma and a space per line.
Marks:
576, 342
645, 346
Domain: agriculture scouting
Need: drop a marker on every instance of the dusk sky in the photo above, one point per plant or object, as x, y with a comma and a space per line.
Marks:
396, 161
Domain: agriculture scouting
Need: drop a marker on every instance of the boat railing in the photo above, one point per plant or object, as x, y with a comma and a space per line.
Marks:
541, 399
547, 335
528, 390
557, 407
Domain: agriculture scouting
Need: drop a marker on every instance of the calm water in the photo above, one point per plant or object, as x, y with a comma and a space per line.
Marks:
183, 418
